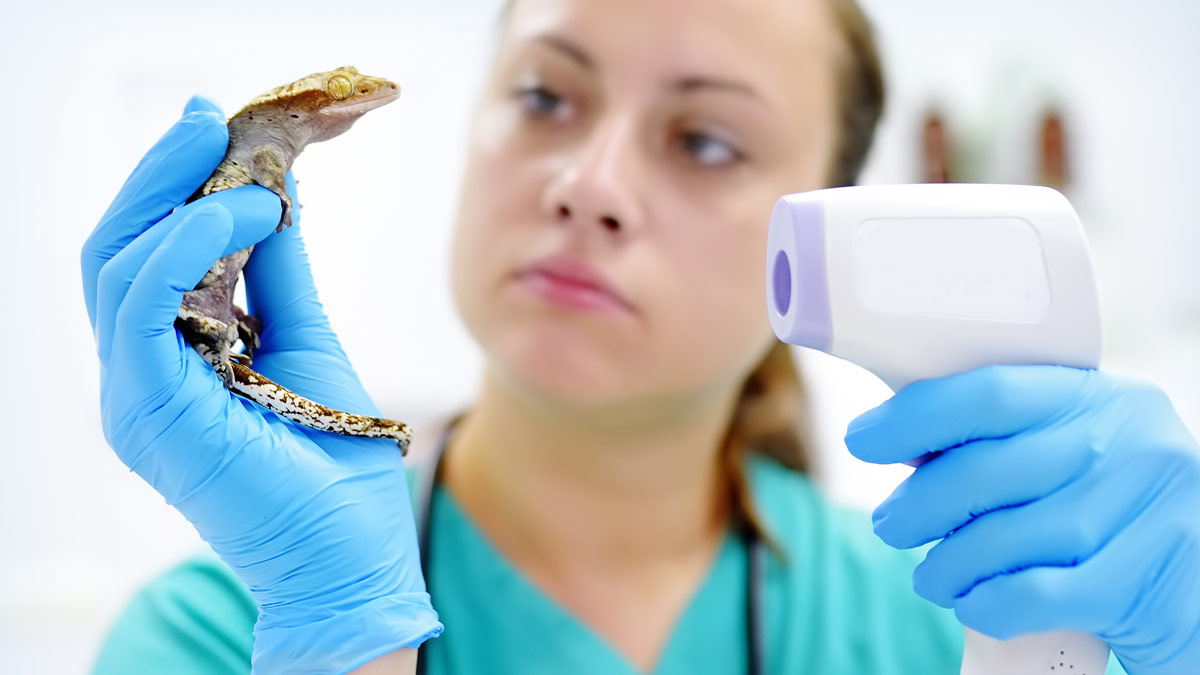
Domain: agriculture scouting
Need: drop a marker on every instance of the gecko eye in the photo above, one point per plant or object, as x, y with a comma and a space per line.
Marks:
339, 87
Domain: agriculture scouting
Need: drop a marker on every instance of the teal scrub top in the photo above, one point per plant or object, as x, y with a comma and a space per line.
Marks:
837, 602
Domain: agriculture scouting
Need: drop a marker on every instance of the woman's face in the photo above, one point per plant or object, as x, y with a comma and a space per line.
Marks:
624, 162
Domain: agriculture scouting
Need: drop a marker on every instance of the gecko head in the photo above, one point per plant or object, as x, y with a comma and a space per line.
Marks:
327, 103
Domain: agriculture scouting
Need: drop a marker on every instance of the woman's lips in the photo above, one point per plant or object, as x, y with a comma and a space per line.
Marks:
570, 282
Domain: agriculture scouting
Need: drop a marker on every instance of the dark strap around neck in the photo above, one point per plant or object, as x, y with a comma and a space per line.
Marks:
428, 476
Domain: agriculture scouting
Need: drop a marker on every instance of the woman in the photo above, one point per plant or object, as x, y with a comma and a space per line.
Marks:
602, 507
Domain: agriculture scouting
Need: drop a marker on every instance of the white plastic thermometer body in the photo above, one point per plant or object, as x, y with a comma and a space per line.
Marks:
922, 281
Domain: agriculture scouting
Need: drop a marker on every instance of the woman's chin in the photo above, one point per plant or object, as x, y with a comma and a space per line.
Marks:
572, 379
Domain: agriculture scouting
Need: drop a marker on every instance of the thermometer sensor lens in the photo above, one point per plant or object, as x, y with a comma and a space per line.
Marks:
783, 283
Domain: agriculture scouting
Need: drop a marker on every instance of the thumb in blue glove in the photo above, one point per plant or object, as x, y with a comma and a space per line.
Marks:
1064, 499
318, 526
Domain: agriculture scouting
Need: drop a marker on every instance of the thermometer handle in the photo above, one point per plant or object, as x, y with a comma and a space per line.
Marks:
1054, 653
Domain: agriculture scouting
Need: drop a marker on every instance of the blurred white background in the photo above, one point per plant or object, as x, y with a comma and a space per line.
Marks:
90, 86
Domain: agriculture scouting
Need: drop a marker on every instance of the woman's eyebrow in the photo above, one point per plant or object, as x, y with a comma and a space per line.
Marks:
567, 48
685, 84
691, 83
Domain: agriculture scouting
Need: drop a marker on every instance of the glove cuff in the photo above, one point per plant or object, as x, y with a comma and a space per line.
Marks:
341, 642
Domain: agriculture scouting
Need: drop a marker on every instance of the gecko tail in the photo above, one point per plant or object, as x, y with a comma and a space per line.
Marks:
275, 397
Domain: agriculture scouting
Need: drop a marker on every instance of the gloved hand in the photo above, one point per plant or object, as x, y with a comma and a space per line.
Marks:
318, 526
1064, 499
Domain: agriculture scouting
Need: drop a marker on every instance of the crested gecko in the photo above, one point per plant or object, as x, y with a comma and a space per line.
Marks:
264, 139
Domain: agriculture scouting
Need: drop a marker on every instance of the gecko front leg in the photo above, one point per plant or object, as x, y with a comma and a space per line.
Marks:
248, 328
268, 166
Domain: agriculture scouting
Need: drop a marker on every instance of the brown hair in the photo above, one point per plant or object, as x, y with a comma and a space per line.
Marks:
771, 415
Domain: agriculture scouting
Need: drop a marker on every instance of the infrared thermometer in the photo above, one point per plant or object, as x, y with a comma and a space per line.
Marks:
921, 281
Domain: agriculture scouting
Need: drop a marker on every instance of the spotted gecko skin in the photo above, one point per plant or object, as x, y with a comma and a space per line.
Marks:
265, 137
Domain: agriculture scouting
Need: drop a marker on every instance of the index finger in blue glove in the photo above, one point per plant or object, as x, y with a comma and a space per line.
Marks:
146, 318
255, 212
929, 416
178, 164
982, 476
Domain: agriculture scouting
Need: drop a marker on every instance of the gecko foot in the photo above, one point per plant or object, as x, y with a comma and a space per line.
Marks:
225, 372
222, 364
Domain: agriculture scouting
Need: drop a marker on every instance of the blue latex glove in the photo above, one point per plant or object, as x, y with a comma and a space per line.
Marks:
1064, 499
318, 526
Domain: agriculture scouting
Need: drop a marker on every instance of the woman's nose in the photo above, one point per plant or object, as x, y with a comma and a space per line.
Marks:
595, 184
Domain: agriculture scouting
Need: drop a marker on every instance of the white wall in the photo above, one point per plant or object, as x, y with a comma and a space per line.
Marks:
89, 88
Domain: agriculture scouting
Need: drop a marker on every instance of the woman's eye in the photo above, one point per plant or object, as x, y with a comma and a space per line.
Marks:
709, 150
541, 102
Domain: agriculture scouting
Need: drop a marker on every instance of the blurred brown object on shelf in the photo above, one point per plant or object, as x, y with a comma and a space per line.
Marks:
1052, 151
935, 150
